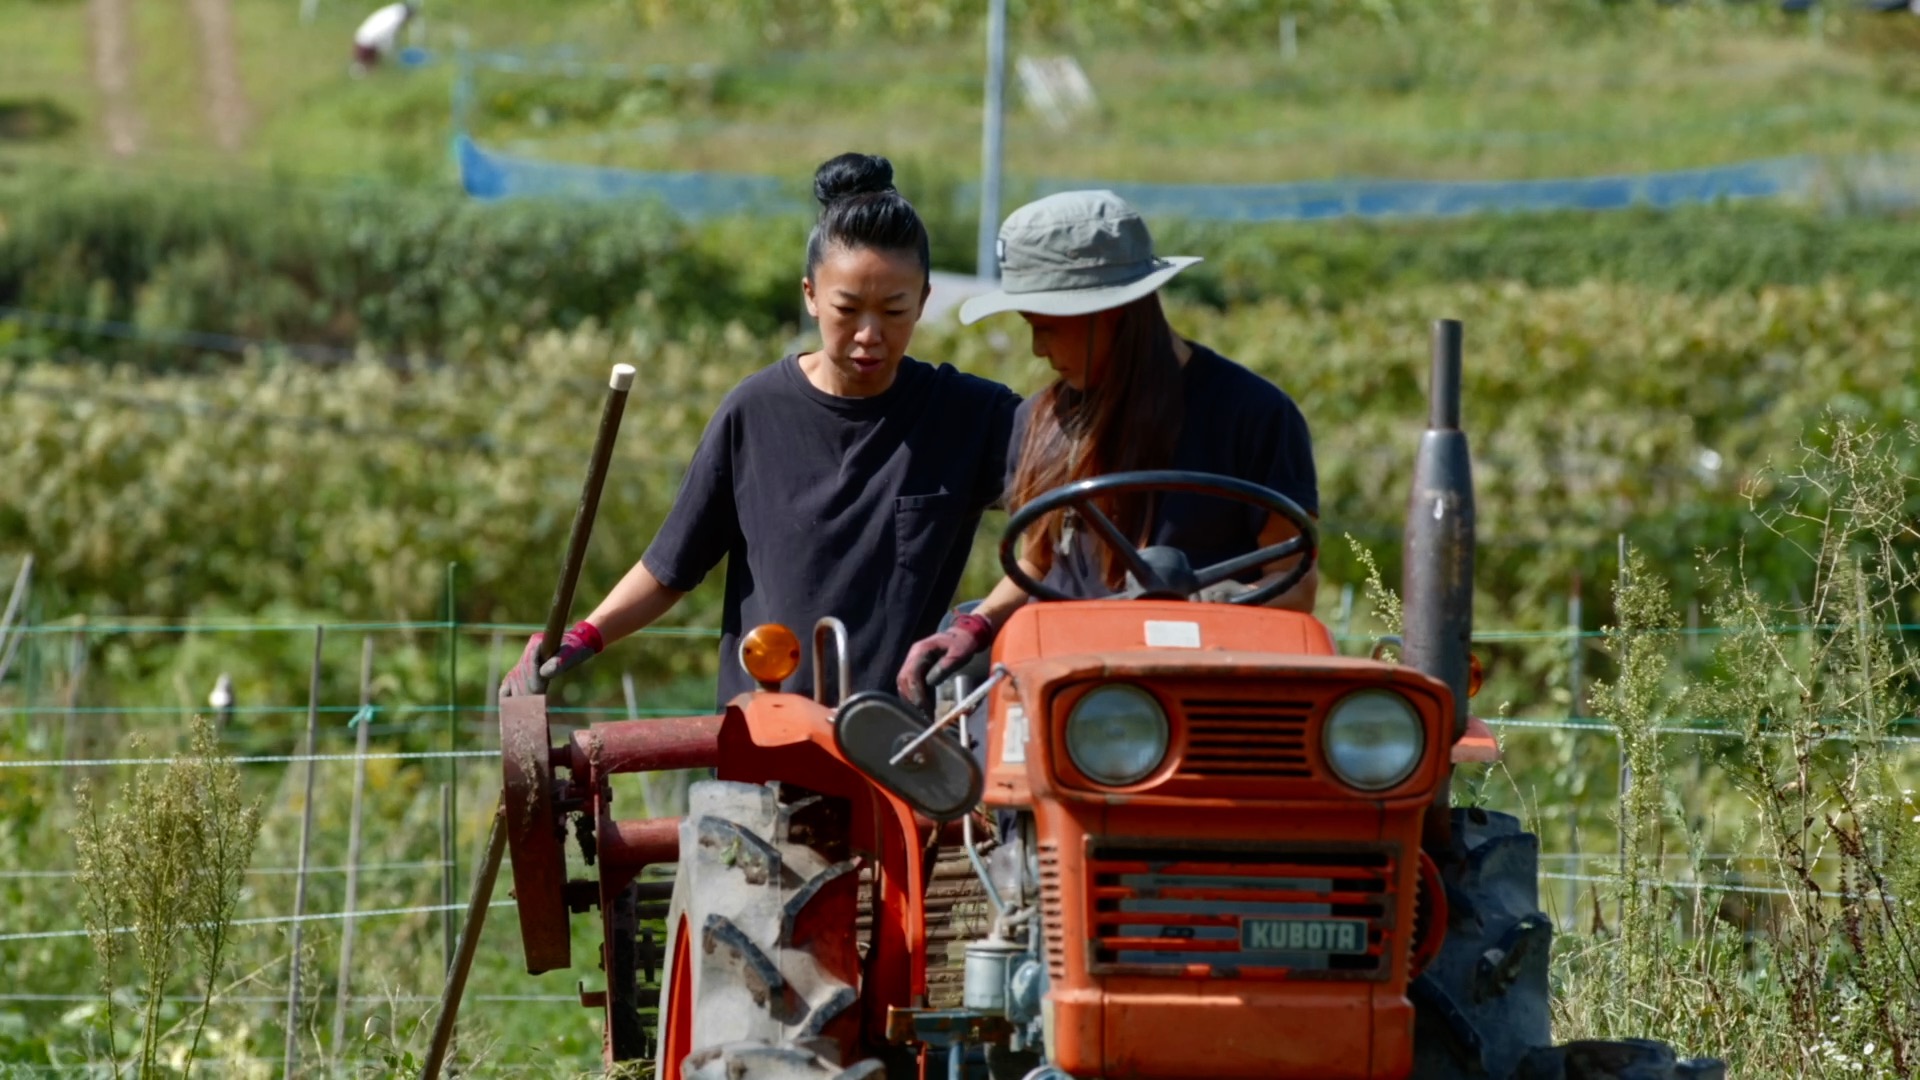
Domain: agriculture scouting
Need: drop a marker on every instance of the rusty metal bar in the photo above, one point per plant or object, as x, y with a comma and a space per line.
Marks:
634, 844
482, 895
625, 746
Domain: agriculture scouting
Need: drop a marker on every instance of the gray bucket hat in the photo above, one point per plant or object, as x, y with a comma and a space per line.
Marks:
1074, 253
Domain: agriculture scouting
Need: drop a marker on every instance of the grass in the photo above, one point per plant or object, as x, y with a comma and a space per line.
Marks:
1527, 96
1656, 92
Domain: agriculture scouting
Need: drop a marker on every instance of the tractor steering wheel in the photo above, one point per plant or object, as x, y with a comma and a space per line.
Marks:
1152, 572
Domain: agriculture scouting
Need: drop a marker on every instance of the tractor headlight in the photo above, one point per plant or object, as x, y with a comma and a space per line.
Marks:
1373, 739
1117, 734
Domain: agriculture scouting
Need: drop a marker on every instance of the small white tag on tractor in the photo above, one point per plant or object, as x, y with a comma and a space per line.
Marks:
1173, 635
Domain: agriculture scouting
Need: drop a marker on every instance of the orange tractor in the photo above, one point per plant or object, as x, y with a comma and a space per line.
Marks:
1218, 848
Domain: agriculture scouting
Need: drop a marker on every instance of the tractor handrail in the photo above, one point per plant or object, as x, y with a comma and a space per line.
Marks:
838, 629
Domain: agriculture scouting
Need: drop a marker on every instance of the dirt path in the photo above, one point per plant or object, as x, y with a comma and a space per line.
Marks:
109, 22
220, 61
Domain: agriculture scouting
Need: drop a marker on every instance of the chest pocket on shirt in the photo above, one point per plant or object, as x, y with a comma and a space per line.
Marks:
923, 530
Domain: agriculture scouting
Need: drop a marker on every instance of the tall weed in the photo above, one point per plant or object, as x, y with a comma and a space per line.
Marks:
1819, 972
163, 867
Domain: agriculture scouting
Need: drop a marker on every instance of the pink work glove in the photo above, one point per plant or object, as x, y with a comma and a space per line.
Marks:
576, 647
932, 660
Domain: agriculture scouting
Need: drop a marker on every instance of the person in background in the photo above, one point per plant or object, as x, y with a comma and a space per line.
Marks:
846, 481
379, 33
1130, 394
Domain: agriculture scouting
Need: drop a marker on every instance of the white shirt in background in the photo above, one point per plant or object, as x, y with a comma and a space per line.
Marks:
382, 28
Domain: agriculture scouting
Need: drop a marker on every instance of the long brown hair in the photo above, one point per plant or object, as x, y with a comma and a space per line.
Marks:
1127, 419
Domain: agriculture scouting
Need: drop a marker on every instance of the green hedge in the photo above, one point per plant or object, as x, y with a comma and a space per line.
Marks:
435, 275
397, 270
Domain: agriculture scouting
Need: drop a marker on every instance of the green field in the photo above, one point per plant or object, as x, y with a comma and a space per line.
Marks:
1486, 91
1691, 381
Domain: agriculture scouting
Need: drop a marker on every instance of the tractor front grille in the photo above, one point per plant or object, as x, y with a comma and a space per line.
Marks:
1266, 912
1052, 912
1245, 739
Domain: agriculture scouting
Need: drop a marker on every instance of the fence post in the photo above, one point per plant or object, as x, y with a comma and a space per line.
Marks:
1575, 652
11, 642
1346, 611
1626, 765
1579, 865
446, 875
492, 688
300, 880
453, 745
71, 744
363, 720
1289, 37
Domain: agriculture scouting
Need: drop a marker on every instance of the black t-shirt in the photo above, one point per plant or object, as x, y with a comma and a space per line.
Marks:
861, 508
1236, 424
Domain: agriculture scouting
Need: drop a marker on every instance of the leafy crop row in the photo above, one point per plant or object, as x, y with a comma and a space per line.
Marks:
426, 275
278, 486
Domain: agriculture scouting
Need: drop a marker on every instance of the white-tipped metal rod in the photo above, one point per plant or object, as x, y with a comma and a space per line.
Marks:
618, 384
484, 876
961, 708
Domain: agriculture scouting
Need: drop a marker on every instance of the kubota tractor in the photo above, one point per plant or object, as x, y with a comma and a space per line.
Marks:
1217, 848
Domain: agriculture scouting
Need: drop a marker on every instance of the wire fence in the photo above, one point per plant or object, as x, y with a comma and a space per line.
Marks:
398, 877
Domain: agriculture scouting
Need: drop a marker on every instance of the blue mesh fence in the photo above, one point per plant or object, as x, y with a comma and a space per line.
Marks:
488, 175
1316, 200
1882, 182
1876, 181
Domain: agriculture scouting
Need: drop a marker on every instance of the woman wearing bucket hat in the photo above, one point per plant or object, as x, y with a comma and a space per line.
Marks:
1131, 395
845, 481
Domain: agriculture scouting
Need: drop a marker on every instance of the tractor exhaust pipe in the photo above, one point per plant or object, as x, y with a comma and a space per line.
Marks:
1437, 584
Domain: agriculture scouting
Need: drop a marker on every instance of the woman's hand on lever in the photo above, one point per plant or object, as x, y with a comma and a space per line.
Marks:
933, 660
634, 604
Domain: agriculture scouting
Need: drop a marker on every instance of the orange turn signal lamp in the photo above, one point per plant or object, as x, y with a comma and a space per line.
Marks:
770, 653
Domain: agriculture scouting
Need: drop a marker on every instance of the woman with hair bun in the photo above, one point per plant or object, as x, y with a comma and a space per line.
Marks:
845, 481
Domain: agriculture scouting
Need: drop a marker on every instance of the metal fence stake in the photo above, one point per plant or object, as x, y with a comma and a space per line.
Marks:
446, 876
306, 839
1626, 765
342, 1000
71, 743
1575, 654
10, 643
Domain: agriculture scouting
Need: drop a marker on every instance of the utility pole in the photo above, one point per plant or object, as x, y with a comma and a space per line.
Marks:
987, 265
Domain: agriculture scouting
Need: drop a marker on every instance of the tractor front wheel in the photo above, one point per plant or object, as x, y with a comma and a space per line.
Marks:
762, 965
1481, 1006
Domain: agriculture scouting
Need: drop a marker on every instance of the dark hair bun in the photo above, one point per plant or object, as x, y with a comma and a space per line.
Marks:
851, 174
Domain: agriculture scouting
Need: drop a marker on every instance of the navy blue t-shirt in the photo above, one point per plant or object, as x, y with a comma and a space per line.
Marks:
1236, 424
860, 508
